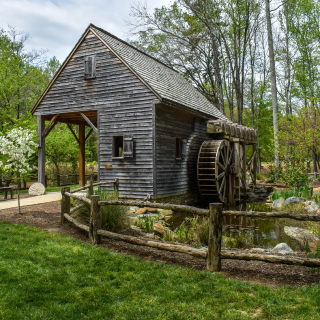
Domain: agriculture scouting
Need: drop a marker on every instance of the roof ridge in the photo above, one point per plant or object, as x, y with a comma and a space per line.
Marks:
133, 47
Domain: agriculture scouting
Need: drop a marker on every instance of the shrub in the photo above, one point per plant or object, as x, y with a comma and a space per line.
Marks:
113, 218
304, 192
146, 223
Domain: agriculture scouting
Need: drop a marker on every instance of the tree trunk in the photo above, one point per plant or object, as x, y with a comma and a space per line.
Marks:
273, 84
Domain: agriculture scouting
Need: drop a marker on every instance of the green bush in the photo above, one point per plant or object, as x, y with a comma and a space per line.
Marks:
113, 218
304, 192
146, 223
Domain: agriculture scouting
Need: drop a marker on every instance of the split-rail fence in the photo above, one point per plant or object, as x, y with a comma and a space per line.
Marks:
213, 254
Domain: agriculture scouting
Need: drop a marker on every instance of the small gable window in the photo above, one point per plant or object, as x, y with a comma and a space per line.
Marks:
90, 67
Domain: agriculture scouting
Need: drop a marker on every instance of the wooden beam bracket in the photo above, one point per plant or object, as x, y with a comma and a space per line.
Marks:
89, 122
50, 123
74, 134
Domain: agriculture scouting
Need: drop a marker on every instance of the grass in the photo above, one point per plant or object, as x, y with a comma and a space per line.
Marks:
53, 276
305, 192
50, 189
113, 218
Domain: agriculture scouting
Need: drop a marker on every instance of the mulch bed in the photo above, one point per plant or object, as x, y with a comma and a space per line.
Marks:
15, 196
47, 216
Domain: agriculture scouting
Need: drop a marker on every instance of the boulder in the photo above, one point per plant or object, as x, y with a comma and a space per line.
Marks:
312, 208
268, 181
293, 200
303, 237
145, 209
37, 189
142, 211
158, 228
278, 204
282, 248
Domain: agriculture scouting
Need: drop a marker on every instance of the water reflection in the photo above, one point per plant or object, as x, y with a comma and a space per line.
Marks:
265, 233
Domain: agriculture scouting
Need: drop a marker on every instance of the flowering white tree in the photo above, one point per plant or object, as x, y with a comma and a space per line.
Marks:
16, 148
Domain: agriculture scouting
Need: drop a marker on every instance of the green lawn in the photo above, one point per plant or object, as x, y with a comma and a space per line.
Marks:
49, 189
53, 276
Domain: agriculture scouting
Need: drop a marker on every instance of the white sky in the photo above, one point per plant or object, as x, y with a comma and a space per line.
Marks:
56, 25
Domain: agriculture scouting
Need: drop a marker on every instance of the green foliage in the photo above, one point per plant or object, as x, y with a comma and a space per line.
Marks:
61, 147
113, 218
22, 80
239, 239
304, 192
147, 222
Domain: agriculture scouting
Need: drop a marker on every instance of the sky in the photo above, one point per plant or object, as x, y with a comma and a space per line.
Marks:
57, 25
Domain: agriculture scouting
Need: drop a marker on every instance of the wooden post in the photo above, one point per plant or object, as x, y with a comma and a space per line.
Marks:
95, 220
82, 157
116, 185
41, 149
254, 167
244, 168
215, 235
237, 168
90, 189
65, 203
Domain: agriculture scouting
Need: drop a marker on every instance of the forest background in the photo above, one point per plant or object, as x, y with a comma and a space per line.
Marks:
255, 61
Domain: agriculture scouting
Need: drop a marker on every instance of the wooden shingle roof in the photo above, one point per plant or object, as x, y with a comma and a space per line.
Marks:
167, 83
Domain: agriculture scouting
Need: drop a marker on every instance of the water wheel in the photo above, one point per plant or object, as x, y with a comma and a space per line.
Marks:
215, 170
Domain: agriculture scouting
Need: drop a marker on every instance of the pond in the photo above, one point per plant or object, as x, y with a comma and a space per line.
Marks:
265, 233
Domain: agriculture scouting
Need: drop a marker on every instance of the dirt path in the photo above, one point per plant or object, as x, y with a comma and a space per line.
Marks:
47, 216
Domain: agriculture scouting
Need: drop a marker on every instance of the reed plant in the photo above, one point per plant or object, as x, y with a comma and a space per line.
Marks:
113, 217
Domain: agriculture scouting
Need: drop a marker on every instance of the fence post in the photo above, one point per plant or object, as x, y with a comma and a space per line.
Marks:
95, 220
65, 203
116, 184
90, 189
215, 234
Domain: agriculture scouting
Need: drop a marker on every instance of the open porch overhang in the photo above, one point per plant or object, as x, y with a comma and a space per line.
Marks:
82, 119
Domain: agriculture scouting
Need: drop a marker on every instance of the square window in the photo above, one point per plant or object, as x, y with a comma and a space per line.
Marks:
118, 147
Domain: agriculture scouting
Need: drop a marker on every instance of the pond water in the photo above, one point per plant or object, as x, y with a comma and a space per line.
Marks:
265, 233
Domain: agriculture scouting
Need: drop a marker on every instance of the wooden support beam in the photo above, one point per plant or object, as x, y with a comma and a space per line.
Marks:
89, 122
88, 135
50, 123
41, 150
237, 169
49, 130
254, 168
74, 134
82, 157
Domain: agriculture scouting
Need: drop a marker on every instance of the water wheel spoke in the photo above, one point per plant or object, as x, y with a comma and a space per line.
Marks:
222, 184
221, 175
221, 165
224, 192
223, 158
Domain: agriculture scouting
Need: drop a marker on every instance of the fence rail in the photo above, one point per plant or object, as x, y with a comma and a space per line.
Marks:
213, 254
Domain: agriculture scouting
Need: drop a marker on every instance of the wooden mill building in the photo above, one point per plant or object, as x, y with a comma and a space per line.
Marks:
150, 122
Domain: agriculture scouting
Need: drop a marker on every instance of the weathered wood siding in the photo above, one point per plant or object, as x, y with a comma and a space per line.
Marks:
177, 176
124, 105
